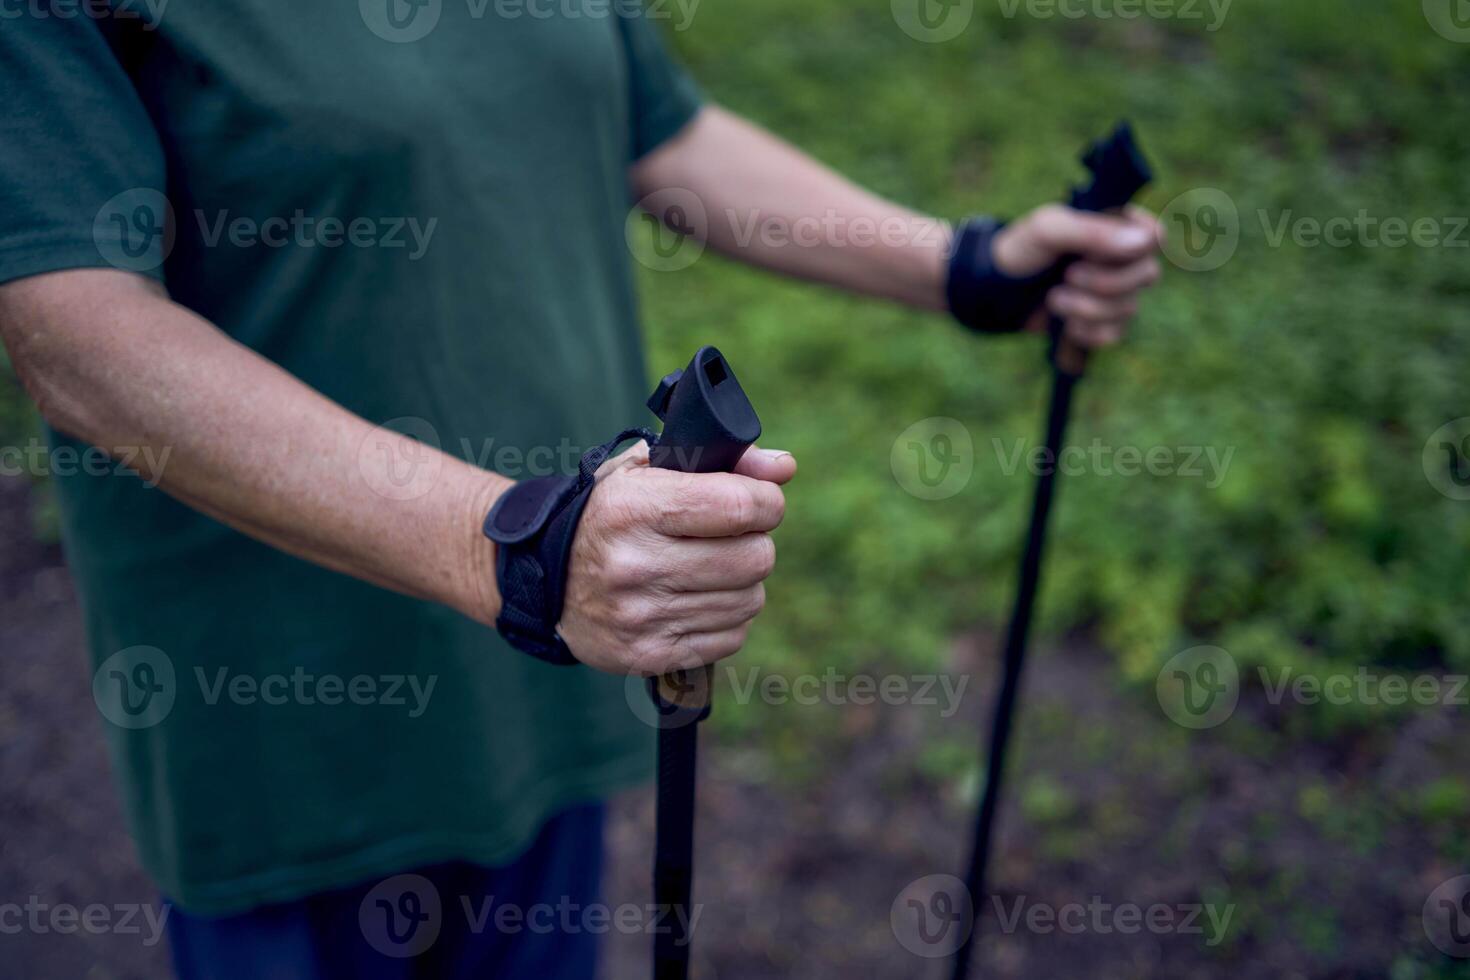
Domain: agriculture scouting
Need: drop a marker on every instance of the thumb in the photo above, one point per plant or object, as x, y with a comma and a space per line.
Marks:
1052, 232
771, 465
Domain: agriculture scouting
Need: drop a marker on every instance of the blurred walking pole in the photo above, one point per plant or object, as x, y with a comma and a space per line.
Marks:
1119, 171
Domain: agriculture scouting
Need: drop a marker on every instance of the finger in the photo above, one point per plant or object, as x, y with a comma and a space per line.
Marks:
1055, 231
714, 612
717, 564
718, 505
634, 455
1145, 218
1115, 280
1091, 334
772, 465
695, 649
1069, 302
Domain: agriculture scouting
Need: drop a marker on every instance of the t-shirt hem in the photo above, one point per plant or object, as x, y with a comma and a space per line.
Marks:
673, 113
405, 853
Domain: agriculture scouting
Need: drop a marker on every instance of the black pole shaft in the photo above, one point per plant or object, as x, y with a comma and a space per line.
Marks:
1015, 657
673, 866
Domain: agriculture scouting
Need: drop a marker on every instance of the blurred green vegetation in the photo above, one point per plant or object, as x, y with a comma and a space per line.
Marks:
1324, 369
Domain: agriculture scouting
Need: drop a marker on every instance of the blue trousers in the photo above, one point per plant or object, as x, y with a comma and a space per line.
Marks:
446, 922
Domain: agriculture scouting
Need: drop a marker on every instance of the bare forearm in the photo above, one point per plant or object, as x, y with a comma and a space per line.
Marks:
769, 204
243, 441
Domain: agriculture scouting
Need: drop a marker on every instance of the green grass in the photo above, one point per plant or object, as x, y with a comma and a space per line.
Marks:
1323, 369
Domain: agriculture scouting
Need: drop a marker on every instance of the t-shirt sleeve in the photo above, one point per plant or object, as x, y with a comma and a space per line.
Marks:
664, 97
82, 168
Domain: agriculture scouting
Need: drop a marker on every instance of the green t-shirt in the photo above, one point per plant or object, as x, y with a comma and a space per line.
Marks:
418, 209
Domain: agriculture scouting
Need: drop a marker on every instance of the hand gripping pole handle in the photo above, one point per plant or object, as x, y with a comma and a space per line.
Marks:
708, 425
1119, 171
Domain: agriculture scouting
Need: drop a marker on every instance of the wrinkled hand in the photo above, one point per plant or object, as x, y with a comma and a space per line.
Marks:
1099, 296
667, 567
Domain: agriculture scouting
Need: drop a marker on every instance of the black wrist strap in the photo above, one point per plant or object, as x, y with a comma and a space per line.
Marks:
980, 295
534, 524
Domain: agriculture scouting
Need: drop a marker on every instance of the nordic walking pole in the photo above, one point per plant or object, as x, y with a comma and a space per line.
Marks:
708, 425
1118, 172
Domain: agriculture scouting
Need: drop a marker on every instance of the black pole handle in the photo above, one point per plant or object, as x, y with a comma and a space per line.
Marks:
708, 424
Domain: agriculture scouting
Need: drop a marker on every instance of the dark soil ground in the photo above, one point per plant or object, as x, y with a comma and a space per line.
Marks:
1325, 849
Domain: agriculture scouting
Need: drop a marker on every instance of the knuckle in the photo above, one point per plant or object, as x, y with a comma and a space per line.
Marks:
1049, 222
687, 494
1098, 239
618, 508
651, 656
630, 614
737, 506
763, 559
626, 565
778, 505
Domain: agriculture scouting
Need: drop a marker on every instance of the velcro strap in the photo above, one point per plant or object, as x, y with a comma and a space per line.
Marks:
983, 297
534, 524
